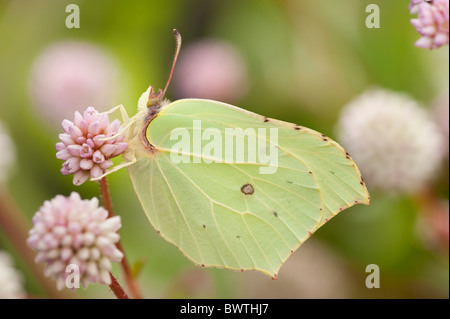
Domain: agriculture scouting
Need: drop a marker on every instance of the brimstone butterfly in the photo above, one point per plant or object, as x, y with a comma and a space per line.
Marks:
231, 188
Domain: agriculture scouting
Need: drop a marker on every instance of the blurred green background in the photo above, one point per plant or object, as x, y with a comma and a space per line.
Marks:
304, 61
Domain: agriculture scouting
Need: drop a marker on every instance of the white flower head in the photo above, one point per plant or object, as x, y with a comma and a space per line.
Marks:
11, 280
8, 154
392, 139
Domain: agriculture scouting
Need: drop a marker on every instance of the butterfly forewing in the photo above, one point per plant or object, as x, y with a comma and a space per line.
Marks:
247, 210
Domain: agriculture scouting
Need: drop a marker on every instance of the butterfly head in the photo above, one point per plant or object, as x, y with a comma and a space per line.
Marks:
154, 98
151, 99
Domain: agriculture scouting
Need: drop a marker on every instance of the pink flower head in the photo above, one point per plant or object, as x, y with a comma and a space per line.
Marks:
432, 23
71, 231
210, 69
82, 146
414, 5
68, 74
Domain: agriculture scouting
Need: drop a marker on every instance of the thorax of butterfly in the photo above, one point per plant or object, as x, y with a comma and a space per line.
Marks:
136, 134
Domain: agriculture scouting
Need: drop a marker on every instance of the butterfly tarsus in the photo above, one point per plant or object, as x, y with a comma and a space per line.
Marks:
123, 112
115, 169
127, 121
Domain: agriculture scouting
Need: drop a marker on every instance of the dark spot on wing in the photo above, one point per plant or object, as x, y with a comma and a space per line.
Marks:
275, 214
266, 120
247, 189
310, 172
289, 182
332, 172
204, 226
298, 128
237, 236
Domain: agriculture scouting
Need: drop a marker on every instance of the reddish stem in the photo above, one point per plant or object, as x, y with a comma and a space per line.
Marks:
436, 214
107, 203
117, 288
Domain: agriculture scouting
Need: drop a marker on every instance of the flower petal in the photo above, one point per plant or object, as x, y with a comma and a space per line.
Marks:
74, 150
66, 124
77, 118
98, 142
86, 151
86, 164
121, 147
113, 127
75, 132
94, 128
80, 177
60, 146
98, 157
106, 164
108, 149
96, 171
66, 139
63, 155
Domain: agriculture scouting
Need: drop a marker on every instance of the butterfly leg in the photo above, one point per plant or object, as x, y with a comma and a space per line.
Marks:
115, 169
125, 119
123, 112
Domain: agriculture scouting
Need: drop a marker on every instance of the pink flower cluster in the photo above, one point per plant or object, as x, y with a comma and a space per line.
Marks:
68, 74
432, 22
210, 69
414, 5
71, 231
83, 147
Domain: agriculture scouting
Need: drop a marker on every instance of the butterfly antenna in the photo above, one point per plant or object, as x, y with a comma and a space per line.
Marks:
177, 52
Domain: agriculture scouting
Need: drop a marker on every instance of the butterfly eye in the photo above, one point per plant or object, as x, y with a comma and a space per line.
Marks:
152, 102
